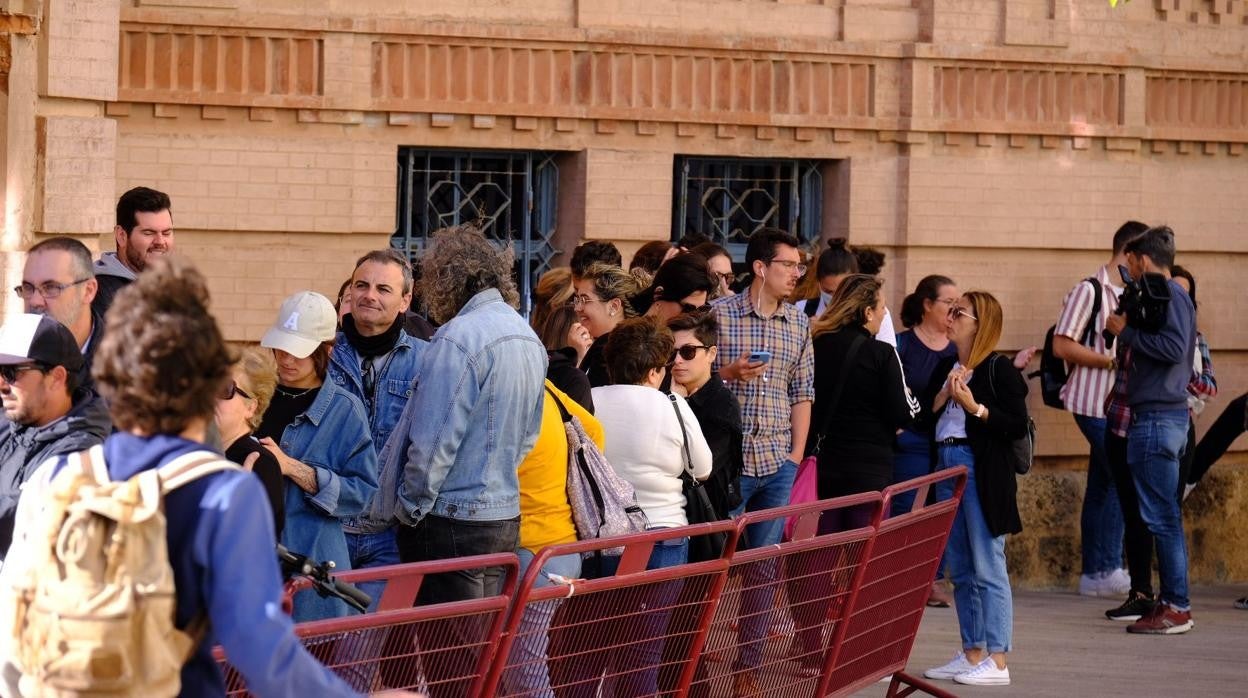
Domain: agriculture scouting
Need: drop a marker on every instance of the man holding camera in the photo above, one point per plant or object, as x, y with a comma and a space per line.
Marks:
1078, 340
1161, 337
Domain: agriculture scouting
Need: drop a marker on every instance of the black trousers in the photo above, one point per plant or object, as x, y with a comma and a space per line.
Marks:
1228, 426
1139, 540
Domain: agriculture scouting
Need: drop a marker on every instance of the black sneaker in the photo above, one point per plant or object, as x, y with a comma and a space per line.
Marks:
1135, 607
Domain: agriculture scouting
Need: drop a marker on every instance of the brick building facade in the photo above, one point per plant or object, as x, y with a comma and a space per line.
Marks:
998, 141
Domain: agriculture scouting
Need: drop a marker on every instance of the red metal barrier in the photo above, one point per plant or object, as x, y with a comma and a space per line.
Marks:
891, 593
442, 649
800, 587
634, 632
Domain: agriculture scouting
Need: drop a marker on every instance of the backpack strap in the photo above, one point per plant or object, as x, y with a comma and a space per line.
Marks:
563, 411
1089, 330
190, 467
91, 463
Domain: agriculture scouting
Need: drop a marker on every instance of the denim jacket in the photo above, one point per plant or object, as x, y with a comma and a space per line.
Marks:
332, 438
395, 383
478, 411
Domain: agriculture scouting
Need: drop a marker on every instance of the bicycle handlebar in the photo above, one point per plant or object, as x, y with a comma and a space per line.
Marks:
323, 582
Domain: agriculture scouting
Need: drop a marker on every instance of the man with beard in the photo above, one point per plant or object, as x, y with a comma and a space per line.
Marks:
46, 412
144, 231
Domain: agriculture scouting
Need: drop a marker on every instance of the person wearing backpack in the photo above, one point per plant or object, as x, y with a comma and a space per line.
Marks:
979, 399
1078, 340
208, 530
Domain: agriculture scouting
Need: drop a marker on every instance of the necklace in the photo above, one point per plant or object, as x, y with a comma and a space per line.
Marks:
931, 340
300, 393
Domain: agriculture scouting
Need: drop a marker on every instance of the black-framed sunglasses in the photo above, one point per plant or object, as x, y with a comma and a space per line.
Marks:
688, 352
691, 308
228, 392
11, 372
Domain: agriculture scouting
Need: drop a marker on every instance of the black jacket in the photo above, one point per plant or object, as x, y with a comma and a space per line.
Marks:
23, 449
990, 440
873, 405
719, 415
595, 364
562, 371
88, 358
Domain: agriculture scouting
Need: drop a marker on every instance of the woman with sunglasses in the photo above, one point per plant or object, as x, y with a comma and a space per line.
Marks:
240, 408
319, 434
979, 399
602, 301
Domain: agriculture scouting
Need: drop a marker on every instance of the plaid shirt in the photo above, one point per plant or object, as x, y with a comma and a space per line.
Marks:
767, 402
1117, 409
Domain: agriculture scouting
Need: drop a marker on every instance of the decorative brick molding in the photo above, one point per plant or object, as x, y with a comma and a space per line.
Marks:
620, 82
1217, 102
1015, 94
190, 65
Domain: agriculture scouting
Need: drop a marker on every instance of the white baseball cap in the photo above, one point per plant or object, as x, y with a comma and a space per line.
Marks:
305, 321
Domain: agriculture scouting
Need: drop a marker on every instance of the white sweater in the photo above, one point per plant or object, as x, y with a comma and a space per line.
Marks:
645, 446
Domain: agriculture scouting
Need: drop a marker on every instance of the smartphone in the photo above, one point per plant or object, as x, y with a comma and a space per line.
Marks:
757, 357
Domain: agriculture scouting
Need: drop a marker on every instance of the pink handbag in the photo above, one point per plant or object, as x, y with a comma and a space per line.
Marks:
805, 489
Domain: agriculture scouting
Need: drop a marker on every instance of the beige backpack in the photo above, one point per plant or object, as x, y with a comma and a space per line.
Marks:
95, 600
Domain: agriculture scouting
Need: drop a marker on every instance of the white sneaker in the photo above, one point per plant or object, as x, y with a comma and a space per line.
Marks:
1091, 585
959, 665
986, 674
1117, 583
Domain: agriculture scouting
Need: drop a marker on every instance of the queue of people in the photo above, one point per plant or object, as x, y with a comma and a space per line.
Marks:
364, 439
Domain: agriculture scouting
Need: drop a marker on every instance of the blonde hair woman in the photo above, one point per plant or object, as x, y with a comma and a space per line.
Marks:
240, 409
980, 409
602, 301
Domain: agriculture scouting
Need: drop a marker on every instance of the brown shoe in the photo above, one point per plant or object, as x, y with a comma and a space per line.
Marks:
745, 684
938, 597
1164, 620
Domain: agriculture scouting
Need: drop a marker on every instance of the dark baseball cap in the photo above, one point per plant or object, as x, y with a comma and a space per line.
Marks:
27, 337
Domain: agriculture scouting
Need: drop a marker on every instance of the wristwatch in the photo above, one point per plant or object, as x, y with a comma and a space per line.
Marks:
981, 412
1113, 363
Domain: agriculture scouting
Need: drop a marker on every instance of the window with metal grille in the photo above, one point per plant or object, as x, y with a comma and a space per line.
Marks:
728, 199
511, 195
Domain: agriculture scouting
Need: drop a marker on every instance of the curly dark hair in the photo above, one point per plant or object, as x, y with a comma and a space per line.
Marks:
459, 264
163, 359
635, 347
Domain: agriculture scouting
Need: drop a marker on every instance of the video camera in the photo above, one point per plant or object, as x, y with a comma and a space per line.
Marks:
1144, 302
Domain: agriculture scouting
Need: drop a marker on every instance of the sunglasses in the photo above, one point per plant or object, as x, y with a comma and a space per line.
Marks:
688, 352
955, 311
231, 390
691, 308
10, 373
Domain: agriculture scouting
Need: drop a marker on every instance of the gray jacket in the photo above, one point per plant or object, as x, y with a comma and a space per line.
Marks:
23, 449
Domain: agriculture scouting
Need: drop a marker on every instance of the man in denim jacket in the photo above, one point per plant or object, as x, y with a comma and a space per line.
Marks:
476, 415
376, 360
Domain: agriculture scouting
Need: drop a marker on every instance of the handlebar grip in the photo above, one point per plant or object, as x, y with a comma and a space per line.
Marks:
353, 592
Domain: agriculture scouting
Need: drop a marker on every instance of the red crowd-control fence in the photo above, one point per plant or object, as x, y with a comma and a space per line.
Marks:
828, 612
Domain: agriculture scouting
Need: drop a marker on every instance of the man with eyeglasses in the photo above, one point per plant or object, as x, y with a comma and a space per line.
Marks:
375, 359
46, 412
144, 232
765, 358
58, 281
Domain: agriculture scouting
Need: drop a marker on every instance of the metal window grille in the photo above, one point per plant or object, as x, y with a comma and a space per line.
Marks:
730, 199
512, 195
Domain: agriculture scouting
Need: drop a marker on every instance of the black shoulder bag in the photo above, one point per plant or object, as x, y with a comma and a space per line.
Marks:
698, 507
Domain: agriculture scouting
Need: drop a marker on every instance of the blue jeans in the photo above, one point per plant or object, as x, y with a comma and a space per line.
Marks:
1154, 443
976, 558
913, 458
529, 675
760, 580
373, 550
632, 666
1101, 524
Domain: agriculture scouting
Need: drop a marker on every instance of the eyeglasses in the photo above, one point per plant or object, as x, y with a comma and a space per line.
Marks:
47, 289
691, 308
11, 372
688, 351
726, 277
578, 301
955, 310
230, 391
790, 265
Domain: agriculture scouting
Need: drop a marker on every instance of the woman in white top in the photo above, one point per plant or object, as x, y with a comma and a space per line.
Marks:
645, 443
646, 446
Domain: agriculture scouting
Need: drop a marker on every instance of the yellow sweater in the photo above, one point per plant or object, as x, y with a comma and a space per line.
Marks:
545, 517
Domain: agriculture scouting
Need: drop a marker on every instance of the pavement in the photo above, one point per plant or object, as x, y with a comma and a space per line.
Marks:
1064, 646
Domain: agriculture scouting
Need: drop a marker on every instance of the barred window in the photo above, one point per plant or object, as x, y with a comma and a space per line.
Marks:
511, 195
728, 199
